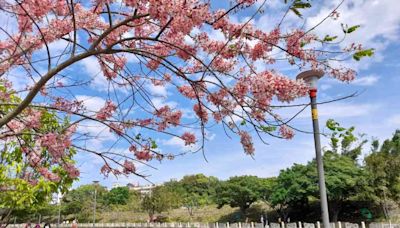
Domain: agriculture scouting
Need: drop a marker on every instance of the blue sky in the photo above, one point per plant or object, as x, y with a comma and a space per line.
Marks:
375, 111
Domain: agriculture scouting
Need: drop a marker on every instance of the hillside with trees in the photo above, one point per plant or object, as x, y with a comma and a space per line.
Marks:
359, 188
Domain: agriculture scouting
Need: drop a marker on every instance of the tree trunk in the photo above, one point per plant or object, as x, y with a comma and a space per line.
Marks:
385, 207
335, 207
5, 219
335, 215
243, 211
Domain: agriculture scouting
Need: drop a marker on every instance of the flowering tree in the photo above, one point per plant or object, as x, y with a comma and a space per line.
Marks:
31, 166
142, 43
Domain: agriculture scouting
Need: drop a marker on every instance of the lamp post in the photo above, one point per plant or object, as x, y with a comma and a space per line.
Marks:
311, 77
94, 204
59, 197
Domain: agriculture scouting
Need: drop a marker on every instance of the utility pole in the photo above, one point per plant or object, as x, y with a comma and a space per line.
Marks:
311, 77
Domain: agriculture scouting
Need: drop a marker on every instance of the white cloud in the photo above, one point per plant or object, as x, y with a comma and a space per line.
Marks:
92, 68
342, 110
366, 81
379, 20
92, 103
325, 87
98, 133
394, 120
174, 141
158, 90
160, 102
336, 110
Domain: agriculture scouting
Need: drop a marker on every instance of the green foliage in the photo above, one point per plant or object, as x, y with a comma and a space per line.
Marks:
17, 191
345, 179
352, 187
347, 29
299, 4
242, 191
363, 53
383, 166
268, 129
119, 195
161, 199
328, 38
79, 202
294, 186
344, 139
195, 190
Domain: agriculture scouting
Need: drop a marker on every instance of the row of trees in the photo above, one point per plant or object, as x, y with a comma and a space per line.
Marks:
138, 46
358, 188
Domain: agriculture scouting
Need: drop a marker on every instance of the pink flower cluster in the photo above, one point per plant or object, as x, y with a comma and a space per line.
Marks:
33, 118
117, 128
72, 171
66, 105
49, 175
189, 138
169, 37
201, 112
247, 142
129, 167
106, 112
286, 132
111, 65
56, 144
193, 91
168, 117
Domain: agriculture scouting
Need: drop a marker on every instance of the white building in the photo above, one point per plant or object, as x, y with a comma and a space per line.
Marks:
142, 189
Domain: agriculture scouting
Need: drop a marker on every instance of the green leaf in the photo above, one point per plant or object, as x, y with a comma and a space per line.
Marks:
243, 122
268, 129
331, 124
299, 4
346, 29
295, 11
328, 38
363, 53
153, 144
353, 28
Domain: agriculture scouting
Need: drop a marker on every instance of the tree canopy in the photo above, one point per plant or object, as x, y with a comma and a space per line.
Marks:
145, 44
29, 174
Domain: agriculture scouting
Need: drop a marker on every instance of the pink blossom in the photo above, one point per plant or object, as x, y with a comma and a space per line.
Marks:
189, 138
49, 175
105, 170
117, 128
33, 118
247, 142
201, 112
56, 144
106, 112
129, 167
168, 117
286, 132
187, 91
66, 105
72, 171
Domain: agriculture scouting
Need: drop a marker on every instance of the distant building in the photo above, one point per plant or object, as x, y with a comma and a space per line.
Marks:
142, 189
116, 185
56, 198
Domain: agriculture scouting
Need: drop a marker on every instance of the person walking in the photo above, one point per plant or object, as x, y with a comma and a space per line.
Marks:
74, 224
265, 219
262, 220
